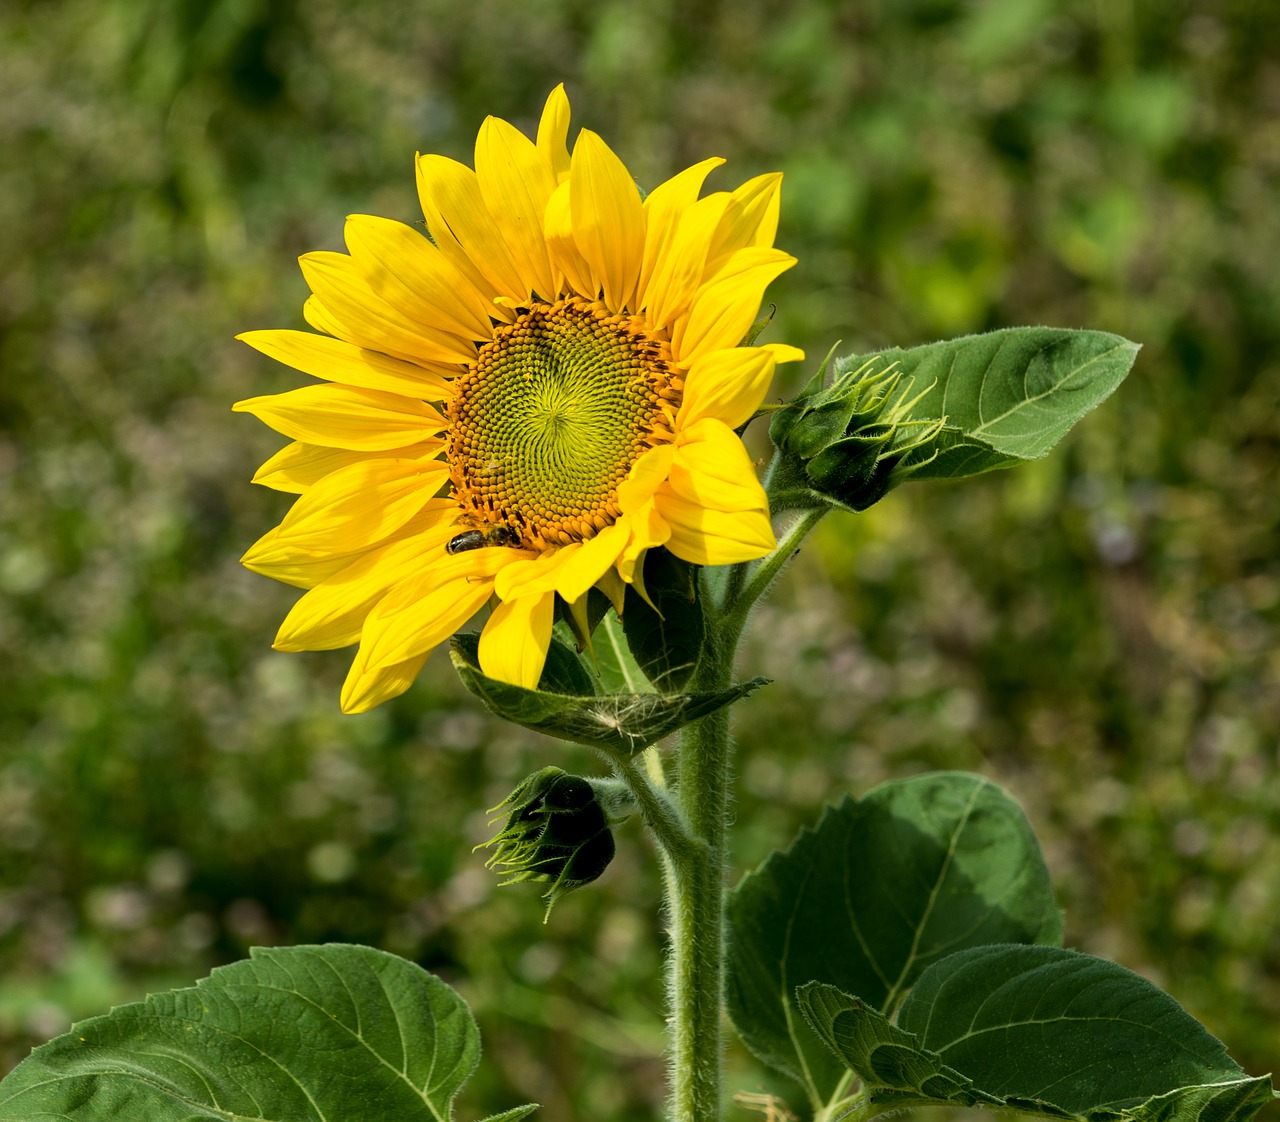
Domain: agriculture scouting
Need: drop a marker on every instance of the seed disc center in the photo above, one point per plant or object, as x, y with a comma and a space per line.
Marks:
547, 421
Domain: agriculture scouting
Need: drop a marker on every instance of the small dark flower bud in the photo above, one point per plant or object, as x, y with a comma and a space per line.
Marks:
557, 831
850, 442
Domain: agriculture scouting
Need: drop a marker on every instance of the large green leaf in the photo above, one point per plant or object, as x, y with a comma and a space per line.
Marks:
300, 1034
1041, 1030
616, 722
881, 888
1007, 396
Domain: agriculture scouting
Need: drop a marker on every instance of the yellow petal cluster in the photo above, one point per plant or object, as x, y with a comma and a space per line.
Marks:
402, 319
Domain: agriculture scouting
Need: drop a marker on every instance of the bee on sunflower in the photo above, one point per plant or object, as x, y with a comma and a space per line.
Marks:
518, 405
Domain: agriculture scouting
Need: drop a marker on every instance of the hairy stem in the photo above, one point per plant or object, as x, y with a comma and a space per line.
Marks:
695, 872
761, 575
695, 899
661, 815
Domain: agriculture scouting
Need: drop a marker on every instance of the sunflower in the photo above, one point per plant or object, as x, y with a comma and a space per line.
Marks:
516, 406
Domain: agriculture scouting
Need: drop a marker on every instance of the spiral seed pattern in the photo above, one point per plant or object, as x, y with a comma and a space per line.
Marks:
547, 421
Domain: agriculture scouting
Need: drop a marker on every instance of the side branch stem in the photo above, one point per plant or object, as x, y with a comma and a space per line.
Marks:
763, 573
660, 814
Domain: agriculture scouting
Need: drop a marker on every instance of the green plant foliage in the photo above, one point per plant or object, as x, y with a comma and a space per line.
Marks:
1009, 396
1040, 1030
881, 888
612, 661
512, 1115
665, 631
299, 1034
616, 722
1096, 630
946, 410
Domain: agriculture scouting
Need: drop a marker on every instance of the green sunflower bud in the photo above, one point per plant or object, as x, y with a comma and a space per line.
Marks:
849, 443
557, 831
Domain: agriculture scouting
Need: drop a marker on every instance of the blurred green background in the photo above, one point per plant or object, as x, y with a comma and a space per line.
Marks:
1097, 631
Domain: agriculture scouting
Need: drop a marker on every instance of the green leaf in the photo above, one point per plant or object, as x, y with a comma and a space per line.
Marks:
512, 1115
666, 636
1040, 1030
297, 1034
1049, 1025
894, 1069
615, 665
564, 671
880, 889
1006, 396
616, 722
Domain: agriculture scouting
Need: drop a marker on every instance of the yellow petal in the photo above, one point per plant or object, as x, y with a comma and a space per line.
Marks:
415, 278
553, 133
333, 612
516, 183
648, 530
290, 566
364, 689
611, 585
514, 642
534, 575
368, 320
608, 218
784, 352
587, 565
662, 211
750, 220
337, 361
463, 228
678, 274
423, 611
712, 469
562, 247
644, 477
725, 307
346, 417
353, 509
298, 466
319, 317
712, 537
581, 621
728, 385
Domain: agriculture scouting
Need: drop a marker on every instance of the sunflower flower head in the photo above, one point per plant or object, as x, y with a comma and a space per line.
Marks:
516, 407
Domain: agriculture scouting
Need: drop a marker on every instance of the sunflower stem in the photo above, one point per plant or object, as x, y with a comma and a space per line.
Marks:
695, 899
695, 876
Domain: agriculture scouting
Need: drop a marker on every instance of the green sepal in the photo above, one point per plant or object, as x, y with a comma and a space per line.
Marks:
623, 723
291, 1034
1040, 1030
666, 632
941, 411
